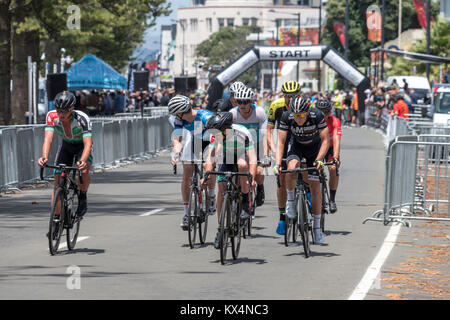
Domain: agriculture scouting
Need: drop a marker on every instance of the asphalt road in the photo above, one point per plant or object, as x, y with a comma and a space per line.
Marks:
123, 255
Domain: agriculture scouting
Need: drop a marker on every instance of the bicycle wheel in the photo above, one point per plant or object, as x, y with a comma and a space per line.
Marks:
73, 224
303, 224
224, 227
56, 228
237, 228
325, 207
193, 214
203, 218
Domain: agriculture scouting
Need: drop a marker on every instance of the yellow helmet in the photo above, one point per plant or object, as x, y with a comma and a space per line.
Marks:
290, 86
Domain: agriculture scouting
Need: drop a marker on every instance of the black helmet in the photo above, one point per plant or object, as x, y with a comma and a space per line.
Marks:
64, 101
221, 121
323, 104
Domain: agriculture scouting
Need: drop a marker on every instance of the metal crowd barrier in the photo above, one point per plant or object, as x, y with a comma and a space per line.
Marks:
417, 176
121, 140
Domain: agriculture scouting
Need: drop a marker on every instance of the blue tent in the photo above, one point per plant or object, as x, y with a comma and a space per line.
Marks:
91, 72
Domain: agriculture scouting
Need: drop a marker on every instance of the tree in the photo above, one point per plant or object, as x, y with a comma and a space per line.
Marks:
359, 45
439, 46
225, 46
5, 62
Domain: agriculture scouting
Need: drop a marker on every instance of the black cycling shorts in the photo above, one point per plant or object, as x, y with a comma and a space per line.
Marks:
309, 152
69, 153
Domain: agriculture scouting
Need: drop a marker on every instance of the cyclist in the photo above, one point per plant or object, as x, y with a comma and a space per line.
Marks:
337, 102
234, 144
310, 139
334, 127
75, 129
230, 102
195, 147
289, 89
254, 119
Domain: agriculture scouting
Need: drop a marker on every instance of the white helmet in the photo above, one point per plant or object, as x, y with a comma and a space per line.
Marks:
244, 94
179, 104
236, 86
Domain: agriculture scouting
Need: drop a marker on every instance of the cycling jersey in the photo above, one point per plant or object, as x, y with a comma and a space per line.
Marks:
277, 107
309, 132
196, 127
334, 126
256, 122
80, 126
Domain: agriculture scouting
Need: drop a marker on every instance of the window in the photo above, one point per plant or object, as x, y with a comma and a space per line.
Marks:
245, 21
194, 25
209, 24
290, 22
230, 22
198, 2
303, 2
254, 21
221, 22
183, 24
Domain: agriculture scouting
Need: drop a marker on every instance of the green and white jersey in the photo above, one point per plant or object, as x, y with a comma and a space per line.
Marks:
80, 126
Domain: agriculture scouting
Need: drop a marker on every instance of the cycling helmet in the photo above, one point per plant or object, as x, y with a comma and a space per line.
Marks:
236, 86
300, 104
323, 104
221, 121
290, 86
64, 101
244, 94
179, 104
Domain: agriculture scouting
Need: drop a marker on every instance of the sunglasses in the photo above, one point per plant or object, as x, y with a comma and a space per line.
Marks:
290, 96
63, 112
300, 115
180, 115
243, 101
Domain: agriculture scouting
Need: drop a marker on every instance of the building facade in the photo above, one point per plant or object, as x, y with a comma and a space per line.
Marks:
205, 17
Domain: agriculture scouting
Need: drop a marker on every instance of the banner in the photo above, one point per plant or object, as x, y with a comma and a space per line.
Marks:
421, 12
289, 37
339, 27
374, 21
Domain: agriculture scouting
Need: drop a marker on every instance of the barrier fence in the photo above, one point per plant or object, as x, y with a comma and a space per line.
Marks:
417, 176
115, 141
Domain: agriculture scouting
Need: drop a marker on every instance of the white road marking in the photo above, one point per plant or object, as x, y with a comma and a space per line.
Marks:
62, 246
151, 212
373, 271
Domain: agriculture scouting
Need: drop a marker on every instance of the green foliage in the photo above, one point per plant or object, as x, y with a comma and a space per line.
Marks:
359, 45
439, 46
109, 29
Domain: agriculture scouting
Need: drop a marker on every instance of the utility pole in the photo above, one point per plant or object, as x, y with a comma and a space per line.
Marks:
428, 36
383, 15
320, 34
298, 43
276, 61
346, 36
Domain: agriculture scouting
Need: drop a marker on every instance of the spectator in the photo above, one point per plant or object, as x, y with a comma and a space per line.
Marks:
165, 98
119, 102
400, 108
405, 86
108, 104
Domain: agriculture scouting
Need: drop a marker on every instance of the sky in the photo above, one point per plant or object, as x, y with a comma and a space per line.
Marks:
152, 36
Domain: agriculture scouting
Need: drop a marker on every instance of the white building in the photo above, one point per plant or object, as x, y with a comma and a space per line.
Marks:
205, 17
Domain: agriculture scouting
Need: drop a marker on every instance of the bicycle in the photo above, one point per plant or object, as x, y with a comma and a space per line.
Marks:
252, 207
231, 227
198, 207
304, 220
64, 199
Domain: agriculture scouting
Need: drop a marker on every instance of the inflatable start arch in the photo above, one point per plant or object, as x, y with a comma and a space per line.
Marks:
270, 53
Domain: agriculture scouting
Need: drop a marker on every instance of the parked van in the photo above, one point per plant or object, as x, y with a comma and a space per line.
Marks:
441, 112
419, 84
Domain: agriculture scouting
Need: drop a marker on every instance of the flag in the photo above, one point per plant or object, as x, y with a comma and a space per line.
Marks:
339, 27
421, 12
374, 21
131, 87
171, 58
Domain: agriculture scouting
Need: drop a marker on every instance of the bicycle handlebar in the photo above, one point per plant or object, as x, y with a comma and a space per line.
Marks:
302, 170
229, 174
61, 167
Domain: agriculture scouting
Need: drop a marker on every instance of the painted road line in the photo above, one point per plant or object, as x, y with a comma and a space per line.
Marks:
374, 269
79, 239
151, 212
